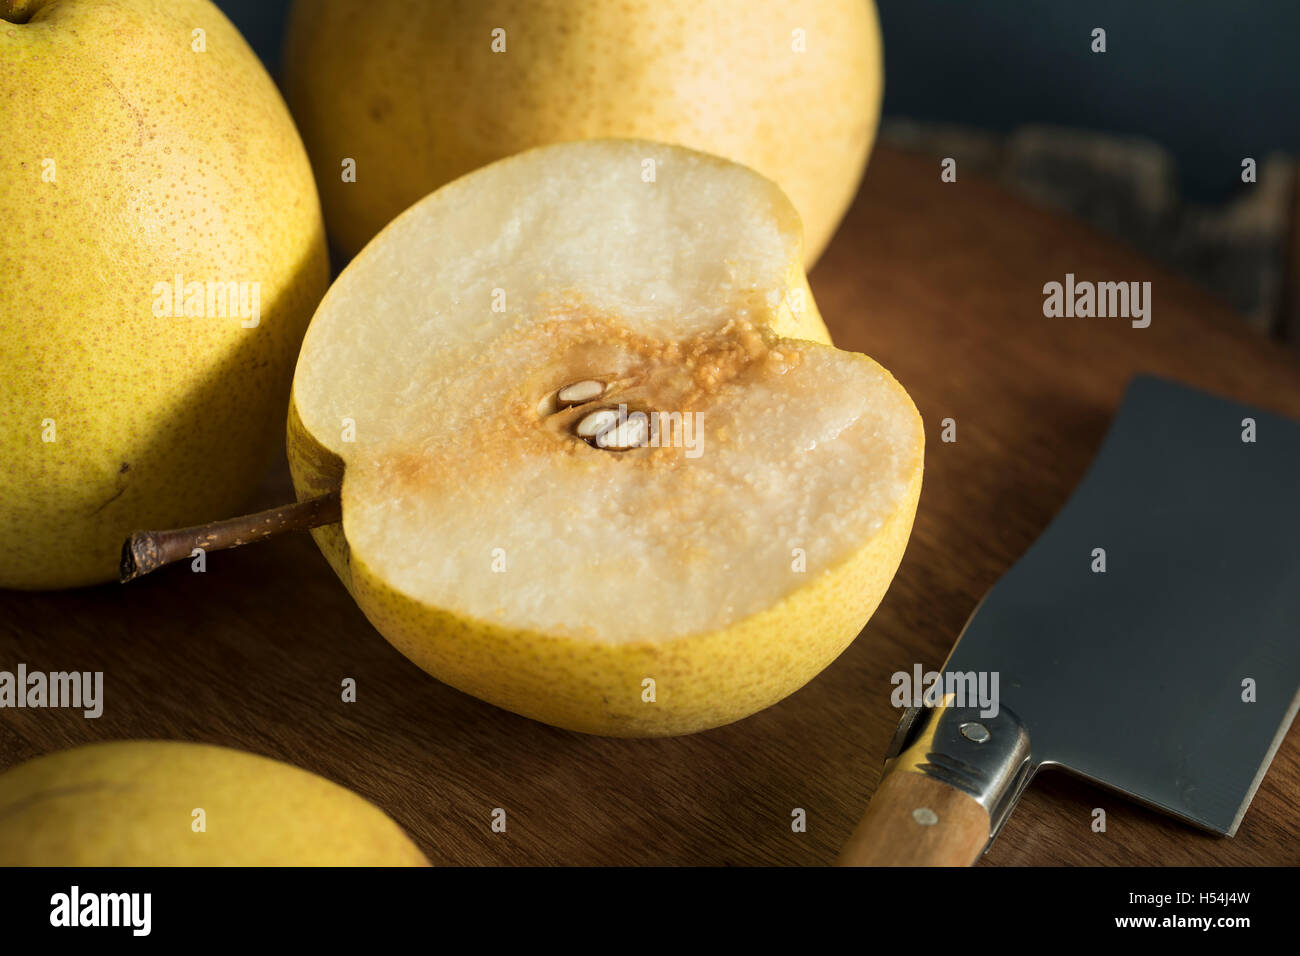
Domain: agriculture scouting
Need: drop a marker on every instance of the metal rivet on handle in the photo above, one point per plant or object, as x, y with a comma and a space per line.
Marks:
975, 732
925, 816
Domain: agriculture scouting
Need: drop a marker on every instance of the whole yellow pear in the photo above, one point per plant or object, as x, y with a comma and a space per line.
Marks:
167, 803
397, 97
161, 254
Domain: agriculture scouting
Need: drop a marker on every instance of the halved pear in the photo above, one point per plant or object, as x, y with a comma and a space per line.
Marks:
700, 564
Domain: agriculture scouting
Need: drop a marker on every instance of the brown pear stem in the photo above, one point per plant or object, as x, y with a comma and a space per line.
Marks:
18, 11
147, 551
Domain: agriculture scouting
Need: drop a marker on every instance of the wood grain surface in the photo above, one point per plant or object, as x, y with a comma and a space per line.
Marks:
942, 283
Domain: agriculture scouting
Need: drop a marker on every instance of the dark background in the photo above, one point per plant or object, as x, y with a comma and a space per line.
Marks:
1219, 78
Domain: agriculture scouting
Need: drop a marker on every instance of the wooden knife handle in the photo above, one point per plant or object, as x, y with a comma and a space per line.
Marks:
952, 776
915, 820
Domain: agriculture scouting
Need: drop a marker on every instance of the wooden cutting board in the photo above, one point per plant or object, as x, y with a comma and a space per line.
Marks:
940, 282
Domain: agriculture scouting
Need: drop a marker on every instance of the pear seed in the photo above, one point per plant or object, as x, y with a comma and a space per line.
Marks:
580, 392
597, 422
631, 433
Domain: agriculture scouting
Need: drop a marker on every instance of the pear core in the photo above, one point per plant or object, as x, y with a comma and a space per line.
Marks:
773, 448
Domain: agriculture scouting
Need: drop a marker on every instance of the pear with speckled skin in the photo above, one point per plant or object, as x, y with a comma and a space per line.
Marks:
161, 252
167, 803
599, 463
402, 96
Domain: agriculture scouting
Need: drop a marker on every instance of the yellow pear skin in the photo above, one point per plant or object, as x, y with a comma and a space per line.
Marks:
142, 145
166, 803
416, 93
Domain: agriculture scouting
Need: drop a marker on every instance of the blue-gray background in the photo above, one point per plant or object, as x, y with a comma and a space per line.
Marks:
1212, 80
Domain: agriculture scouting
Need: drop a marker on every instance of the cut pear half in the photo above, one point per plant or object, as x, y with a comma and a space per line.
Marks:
599, 464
